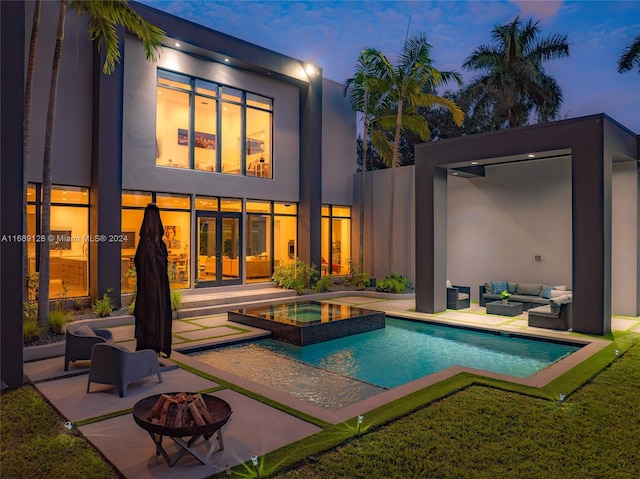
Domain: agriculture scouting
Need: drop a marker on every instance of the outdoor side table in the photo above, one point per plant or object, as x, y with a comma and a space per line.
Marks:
509, 309
187, 438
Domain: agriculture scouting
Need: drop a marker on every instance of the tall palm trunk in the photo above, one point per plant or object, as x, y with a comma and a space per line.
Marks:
26, 146
394, 160
362, 175
43, 298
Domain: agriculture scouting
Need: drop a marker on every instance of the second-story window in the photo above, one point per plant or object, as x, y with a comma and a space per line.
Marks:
206, 126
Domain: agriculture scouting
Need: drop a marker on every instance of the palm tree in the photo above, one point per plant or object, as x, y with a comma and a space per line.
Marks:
630, 56
26, 140
513, 77
105, 16
404, 86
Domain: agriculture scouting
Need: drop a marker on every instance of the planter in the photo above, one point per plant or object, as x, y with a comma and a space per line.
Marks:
505, 301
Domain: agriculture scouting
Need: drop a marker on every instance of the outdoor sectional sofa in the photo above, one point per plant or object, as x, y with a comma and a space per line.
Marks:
530, 295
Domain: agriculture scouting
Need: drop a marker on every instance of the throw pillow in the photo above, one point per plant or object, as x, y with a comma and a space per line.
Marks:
83, 330
555, 293
513, 287
562, 287
498, 287
532, 289
488, 288
449, 284
546, 292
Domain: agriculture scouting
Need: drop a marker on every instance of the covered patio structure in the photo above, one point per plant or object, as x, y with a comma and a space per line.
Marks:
593, 144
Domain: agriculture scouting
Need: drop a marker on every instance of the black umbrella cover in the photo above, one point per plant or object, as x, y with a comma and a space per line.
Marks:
153, 300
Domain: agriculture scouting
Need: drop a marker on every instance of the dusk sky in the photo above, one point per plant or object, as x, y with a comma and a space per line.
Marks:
332, 34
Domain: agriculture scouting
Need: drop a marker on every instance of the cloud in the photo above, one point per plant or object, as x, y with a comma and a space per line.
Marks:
538, 9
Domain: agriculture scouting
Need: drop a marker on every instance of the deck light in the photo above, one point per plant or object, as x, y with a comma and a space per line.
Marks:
561, 398
360, 419
617, 352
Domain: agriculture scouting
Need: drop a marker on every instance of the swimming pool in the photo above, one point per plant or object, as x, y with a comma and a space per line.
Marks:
342, 371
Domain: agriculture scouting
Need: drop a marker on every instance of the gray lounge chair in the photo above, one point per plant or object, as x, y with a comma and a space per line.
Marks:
458, 297
80, 338
117, 366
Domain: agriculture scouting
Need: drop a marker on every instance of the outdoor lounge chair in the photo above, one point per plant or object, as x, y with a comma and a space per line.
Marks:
117, 366
80, 338
458, 297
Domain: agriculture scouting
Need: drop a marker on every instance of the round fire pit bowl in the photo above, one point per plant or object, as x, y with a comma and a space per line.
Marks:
218, 408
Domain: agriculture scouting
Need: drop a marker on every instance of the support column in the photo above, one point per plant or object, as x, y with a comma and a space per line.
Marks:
12, 65
431, 238
309, 208
105, 207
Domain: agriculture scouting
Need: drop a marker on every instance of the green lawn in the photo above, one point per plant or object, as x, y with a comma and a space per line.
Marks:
482, 432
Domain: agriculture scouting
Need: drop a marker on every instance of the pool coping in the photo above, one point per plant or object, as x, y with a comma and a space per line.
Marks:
590, 346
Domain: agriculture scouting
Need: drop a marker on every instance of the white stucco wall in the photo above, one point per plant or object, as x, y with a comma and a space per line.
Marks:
498, 224
139, 170
624, 225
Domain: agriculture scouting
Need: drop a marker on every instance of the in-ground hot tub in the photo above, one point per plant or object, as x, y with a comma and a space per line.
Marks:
309, 322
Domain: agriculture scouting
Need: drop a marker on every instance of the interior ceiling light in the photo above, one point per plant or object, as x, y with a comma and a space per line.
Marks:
531, 155
474, 162
455, 173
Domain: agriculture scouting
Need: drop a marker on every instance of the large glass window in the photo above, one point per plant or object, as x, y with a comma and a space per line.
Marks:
336, 239
258, 241
69, 247
210, 127
175, 212
285, 233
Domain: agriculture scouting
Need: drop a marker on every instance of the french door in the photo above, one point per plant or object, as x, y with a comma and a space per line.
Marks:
219, 243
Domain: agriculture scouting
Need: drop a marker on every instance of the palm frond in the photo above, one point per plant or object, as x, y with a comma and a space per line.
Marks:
630, 56
104, 18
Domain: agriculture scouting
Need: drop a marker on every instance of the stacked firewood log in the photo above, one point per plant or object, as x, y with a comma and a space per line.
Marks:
180, 410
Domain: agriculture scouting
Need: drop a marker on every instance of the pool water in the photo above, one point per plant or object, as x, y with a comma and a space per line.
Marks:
342, 371
305, 312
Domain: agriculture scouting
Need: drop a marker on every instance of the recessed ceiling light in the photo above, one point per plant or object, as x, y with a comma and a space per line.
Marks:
531, 155
226, 60
177, 44
474, 162
455, 173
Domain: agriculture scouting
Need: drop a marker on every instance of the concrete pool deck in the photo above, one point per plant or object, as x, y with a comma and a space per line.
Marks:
255, 428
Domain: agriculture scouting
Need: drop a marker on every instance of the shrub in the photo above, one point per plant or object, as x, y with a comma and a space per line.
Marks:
323, 284
356, 278
392, 284
58, 318
176, 300
30, 311
132, 305
31, 330
297, 275
103, 307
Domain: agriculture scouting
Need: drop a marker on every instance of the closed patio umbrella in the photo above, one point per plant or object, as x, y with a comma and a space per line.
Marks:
153, 300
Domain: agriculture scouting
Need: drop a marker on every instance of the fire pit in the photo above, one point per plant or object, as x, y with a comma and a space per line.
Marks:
183, 415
